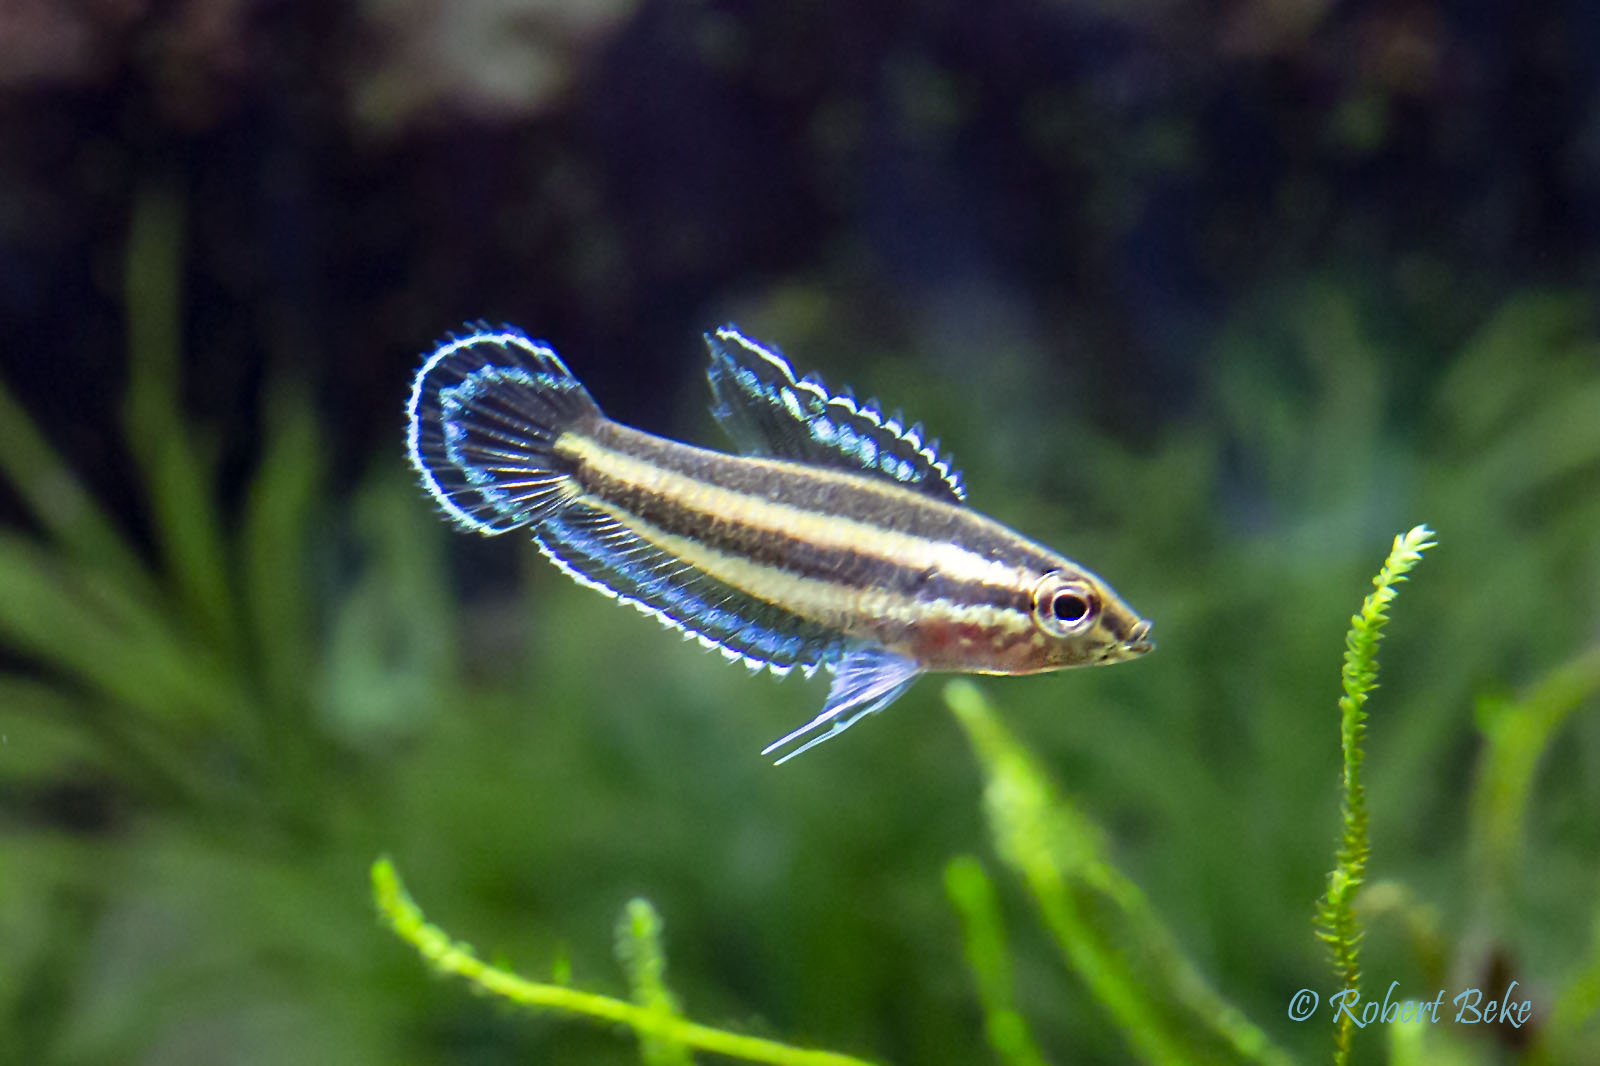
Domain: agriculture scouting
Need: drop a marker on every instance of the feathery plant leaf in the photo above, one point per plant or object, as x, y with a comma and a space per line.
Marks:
58, 499
154, 656
273, 545
640, 953
177, 474
972, 894
655, 1022
1103, 924
1336, 920
78, 621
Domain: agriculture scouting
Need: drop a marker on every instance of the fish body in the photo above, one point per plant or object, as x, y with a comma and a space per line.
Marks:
840, 539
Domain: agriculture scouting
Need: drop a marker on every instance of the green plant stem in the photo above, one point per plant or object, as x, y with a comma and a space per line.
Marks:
645, 961
1336, 922
1103, 924
1516, 738
453, 957
1579, 1002
972, 894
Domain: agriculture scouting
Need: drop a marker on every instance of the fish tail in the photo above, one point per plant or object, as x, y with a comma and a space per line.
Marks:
485, 412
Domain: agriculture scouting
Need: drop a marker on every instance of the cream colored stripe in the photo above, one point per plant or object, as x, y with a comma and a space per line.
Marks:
841, 607
822, 530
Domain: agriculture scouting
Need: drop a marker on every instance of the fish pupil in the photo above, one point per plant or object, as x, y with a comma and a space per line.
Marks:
1069, 607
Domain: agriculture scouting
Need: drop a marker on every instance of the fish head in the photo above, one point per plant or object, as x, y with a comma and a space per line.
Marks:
1079, 620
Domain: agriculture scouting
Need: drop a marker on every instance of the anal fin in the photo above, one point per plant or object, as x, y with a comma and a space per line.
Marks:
866, 679
598, 550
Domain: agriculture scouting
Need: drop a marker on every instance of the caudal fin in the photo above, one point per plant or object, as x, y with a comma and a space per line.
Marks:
484, 415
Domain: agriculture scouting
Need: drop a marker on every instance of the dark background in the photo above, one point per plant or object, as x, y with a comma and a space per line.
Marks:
1215, 298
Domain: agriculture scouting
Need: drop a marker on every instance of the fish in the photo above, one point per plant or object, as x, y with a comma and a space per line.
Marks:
838, 538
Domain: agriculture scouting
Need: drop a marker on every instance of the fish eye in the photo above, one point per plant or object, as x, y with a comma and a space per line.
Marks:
1063, 607
1069, 607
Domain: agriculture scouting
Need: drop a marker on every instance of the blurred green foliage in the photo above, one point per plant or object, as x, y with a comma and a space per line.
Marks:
203, 743
1102, 923
973, 896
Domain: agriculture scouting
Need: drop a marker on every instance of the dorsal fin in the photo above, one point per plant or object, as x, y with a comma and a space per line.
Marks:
768, 412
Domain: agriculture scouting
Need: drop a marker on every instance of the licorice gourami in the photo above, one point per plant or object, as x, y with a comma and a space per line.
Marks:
838, 539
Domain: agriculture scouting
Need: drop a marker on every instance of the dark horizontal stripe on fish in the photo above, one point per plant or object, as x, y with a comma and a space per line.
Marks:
874, 501
861, 565
877, 614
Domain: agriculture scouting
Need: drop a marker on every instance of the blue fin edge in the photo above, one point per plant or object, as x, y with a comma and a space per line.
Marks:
599, 552
938, 466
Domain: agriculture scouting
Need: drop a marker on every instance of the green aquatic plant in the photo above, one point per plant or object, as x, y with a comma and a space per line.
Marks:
166, 700
1101, 921
1518, 735
218, 701
1336, 918
645, 961
664, 1034
973, 896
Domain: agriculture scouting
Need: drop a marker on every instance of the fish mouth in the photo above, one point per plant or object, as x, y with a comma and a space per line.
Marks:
1138, 642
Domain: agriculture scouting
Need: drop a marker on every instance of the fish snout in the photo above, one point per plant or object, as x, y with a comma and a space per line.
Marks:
1138, 640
